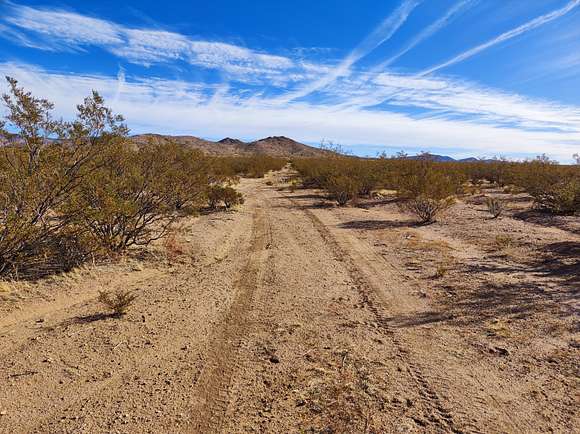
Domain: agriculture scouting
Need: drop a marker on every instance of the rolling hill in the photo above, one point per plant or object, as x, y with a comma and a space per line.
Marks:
278, 146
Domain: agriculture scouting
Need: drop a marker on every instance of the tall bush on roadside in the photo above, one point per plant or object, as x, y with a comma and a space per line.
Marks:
37, 175
555, 188
427, 191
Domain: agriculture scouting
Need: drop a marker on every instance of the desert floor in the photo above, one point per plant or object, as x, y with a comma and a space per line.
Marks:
293, 315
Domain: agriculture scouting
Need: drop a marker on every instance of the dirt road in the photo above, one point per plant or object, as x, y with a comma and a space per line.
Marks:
286, 316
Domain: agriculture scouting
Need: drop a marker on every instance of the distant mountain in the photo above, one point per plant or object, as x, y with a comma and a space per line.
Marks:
447, 159
278, 146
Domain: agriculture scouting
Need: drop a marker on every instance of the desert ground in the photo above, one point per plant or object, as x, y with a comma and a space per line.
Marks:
290, 314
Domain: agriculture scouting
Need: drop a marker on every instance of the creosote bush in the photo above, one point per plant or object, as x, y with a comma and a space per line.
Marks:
118, 301
227, 196
426, 187
79, 189
343, 189
427, 209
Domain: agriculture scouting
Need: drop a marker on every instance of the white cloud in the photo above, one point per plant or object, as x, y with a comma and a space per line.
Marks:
447, 112
457, 99
176, 107
62, 30
63, 26
428, 32
383, 32
530, 25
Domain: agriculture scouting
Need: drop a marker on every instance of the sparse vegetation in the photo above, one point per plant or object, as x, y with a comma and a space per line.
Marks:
70, 190
426, 187
118, 301
227, 196
494, 206
502, 242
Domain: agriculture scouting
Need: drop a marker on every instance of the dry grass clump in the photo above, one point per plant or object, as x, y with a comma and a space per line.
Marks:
118, 301
503, 242
344, 399
441, 270
494, 206
174, 248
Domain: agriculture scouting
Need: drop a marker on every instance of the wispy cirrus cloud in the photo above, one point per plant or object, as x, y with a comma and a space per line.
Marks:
524, 28
456, 99
178, 107
428, 31
382, 33
59, 30
348, 103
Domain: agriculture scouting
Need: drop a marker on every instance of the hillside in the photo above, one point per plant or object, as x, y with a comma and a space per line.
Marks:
279, 146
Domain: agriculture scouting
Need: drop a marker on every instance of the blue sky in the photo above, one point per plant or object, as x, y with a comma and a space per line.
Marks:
457, 77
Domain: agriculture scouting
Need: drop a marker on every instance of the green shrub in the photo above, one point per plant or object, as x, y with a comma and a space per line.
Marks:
227, 196
343, 189
561, 198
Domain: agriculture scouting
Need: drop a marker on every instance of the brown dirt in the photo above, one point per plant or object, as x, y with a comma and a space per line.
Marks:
290, 315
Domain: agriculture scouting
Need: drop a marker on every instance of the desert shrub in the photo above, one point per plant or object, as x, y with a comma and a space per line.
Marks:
37, 175
555, 188
427, 209
118, 301
560, 198
342, 189
427, 191
185, 176
494, 206
227, 196
72, 189
127, 200
254, 166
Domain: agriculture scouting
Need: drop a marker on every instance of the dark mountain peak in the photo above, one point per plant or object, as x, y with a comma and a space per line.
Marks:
279, 146
230, 141
276, 139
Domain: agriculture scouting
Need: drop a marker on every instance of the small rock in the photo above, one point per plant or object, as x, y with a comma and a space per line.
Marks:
48, 360
500, 351
3, 413
39, 320
315, 408
300, 402
409, 403
274, 359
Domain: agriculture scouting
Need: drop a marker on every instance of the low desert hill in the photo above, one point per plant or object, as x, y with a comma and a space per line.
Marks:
279, 146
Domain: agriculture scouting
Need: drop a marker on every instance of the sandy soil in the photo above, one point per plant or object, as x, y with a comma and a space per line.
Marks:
292, 315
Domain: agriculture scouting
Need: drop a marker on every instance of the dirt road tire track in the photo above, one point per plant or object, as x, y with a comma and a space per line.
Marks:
221, 364
375, 300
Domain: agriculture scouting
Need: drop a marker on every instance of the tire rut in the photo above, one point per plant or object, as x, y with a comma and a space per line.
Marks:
438, 415
221, 364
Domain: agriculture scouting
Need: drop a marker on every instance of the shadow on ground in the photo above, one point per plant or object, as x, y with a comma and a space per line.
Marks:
377, 224
548, 283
